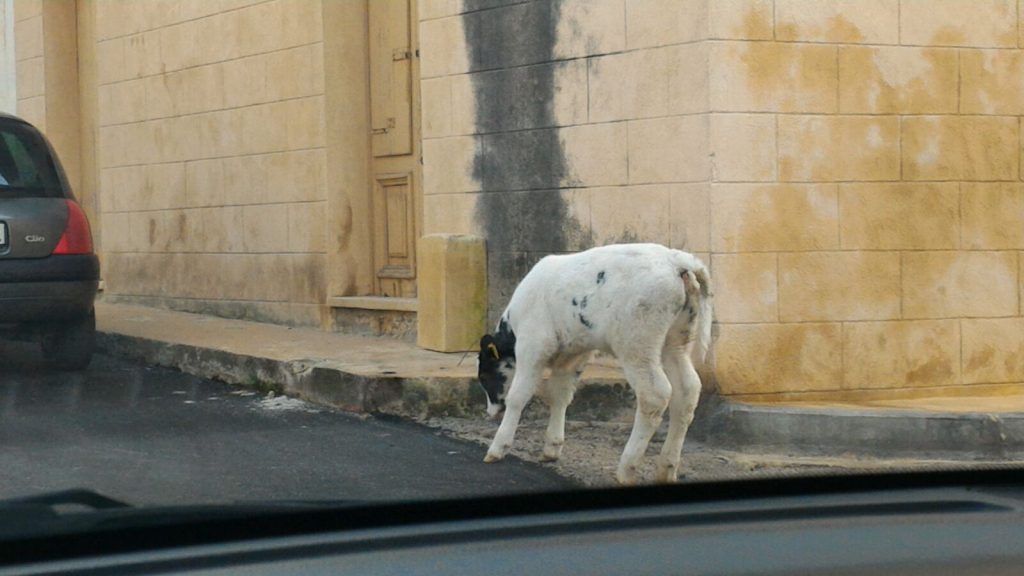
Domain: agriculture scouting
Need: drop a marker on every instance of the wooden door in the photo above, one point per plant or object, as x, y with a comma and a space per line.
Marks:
395, 144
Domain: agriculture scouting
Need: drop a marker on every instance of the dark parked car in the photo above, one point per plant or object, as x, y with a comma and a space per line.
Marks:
49, 274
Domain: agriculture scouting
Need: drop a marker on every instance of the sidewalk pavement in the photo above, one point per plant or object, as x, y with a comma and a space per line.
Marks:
354, 373
387, 376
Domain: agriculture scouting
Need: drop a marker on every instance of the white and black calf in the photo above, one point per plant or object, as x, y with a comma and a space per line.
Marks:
646, 304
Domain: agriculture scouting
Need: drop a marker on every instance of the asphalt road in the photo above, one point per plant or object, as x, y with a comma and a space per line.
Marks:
149, 435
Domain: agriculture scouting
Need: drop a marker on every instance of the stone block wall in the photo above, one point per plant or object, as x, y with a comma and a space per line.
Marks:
211, 155
850, 169
867, 205
30, 79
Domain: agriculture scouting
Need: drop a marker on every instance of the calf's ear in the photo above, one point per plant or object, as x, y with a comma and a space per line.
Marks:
489, 347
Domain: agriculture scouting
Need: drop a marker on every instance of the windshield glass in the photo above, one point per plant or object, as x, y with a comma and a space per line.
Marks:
26, 166
417, 249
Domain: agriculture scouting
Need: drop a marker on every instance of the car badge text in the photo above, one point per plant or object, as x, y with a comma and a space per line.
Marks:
33, 238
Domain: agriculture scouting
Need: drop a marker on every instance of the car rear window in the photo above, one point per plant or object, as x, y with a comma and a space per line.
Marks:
26, 166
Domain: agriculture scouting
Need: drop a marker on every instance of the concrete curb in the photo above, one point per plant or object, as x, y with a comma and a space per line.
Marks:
891, 433
322, 382
876, 433
312, 380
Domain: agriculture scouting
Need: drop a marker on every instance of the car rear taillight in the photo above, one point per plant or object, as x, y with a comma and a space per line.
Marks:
76, 239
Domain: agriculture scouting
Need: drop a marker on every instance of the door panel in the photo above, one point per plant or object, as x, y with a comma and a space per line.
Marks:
395, 247
391, 57
394, 111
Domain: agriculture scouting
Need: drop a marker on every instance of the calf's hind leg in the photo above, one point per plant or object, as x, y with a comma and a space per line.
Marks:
685, 394
653, 391
559, 391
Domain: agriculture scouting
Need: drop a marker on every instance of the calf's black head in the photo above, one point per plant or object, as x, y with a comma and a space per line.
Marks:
496, 365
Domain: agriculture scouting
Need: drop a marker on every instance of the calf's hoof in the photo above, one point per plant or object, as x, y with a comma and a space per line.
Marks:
666, 477
627, 476
667, 474
492, 458
551, 453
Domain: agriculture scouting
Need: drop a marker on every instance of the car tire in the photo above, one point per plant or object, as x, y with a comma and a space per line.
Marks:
69, 346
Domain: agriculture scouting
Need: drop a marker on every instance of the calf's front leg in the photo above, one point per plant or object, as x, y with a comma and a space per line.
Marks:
524, 384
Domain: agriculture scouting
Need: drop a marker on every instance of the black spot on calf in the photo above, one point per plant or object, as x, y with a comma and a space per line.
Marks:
600, 277
585, 322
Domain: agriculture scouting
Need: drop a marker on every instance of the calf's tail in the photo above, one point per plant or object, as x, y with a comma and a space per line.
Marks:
698, 282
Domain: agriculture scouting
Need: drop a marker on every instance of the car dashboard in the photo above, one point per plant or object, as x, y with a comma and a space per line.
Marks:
886, 524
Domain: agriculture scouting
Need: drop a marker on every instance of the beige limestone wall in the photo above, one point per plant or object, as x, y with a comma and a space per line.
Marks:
867, 206
28, 42
211, 155
850, 168
8, 70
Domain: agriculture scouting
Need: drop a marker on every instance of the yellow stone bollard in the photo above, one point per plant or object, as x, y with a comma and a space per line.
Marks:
452, 292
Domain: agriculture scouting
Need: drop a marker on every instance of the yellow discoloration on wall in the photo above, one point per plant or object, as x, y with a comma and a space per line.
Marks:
887, 80
960, 147
778, 217
992, 214
837, 29
842, 30
901, 354
993, 350
838, 148
741, 19
979, 359
947, 36
959, 284
835, 286
773, 77
751, 358
772, 72
756, 24
991, 81
923, 216
933, 148
845, 21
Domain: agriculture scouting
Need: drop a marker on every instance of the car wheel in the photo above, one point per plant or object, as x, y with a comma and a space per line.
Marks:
69, 346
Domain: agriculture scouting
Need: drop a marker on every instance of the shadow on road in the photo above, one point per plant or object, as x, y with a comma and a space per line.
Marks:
20, 358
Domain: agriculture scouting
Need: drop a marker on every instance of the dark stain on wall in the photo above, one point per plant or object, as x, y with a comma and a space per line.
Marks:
520, 164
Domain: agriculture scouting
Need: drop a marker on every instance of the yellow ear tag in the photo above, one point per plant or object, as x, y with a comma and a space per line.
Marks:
494, 350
